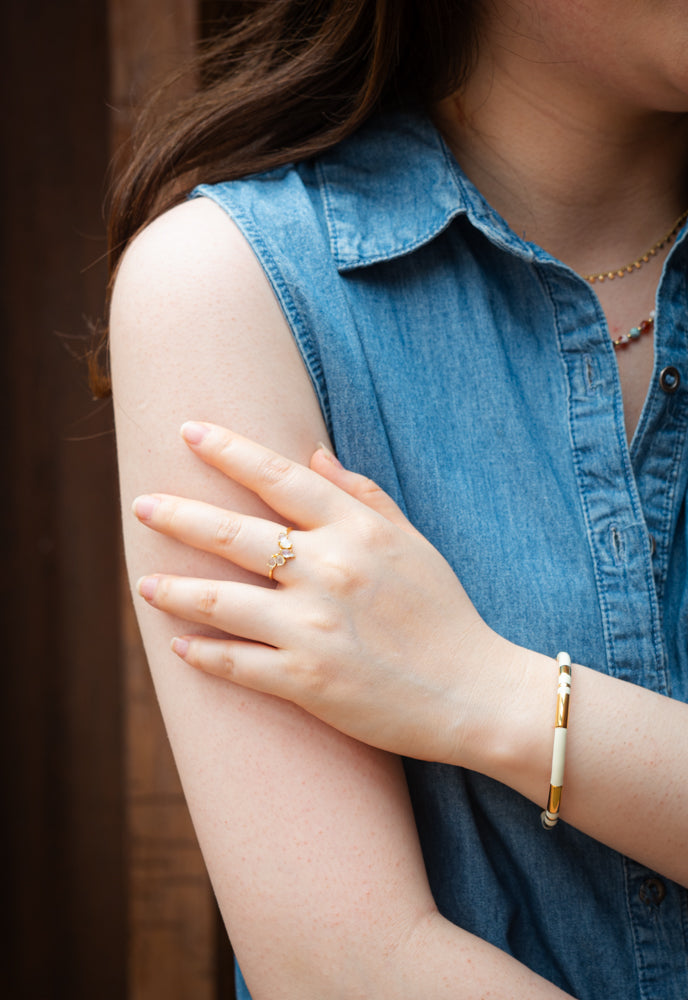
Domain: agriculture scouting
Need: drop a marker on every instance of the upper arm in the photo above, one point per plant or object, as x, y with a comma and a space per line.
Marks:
308, 836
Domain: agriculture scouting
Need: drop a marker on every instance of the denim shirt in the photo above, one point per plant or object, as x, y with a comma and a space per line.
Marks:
473, 377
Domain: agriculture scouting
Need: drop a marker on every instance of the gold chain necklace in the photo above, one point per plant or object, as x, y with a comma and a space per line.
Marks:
635, 265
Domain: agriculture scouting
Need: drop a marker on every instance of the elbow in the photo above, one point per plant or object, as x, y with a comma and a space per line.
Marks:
380, 963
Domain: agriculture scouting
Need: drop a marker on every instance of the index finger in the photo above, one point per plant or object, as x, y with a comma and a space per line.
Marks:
293, 491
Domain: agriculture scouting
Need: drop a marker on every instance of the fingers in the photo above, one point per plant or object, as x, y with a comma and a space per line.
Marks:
296, 493
253, 665
246, 541
359, 487
240, 609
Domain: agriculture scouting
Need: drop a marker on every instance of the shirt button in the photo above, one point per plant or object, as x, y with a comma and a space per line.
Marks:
669, 380
652, 891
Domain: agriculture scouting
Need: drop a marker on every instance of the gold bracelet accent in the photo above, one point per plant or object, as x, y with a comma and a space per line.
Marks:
550, 814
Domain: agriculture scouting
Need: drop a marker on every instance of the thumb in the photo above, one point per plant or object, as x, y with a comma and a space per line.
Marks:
327, 465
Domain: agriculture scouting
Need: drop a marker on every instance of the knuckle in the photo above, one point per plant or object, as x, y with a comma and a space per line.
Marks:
323, 620
345, 568
369, 491
375, 532
227, 662
309, 677
274, 469
340, 573
206, 600
174, 520
224, 446
226, 532
317, 683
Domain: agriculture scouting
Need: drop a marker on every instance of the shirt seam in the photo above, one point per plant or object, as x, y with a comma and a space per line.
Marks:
291, 312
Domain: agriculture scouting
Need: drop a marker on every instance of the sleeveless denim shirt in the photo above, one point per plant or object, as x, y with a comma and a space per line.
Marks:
473, 377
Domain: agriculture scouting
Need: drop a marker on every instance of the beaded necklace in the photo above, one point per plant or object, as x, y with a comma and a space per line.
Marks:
647, 326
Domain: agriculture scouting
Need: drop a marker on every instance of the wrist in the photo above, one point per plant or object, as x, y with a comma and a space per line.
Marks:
514, 745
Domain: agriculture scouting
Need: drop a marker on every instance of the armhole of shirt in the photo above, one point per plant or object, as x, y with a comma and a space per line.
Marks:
227, 197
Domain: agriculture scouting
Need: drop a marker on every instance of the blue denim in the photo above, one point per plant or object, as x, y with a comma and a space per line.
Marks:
472, 375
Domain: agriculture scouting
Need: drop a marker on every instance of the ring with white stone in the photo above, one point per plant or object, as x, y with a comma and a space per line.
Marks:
285, 550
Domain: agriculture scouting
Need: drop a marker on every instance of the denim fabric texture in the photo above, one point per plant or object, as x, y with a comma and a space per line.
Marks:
472, 376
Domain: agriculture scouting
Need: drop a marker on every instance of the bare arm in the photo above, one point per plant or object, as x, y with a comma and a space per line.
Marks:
308, 835
373, 633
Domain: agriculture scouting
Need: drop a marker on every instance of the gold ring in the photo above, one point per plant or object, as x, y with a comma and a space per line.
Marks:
285, 550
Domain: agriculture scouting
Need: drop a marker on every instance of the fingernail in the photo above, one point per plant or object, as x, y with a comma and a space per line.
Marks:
146, 587
194, 433
329, 455
144, 506
180, 646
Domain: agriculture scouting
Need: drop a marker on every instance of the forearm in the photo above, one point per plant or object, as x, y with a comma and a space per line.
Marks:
626, 758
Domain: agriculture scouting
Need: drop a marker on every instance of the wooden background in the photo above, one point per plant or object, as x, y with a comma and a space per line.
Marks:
106, 891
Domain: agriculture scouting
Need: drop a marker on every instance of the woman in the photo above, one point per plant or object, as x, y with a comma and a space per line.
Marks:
425, 290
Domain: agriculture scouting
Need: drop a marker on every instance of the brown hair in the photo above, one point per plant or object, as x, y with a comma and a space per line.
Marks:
284, 82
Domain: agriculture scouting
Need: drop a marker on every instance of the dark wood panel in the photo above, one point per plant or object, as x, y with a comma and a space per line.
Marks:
106, 890
62, 694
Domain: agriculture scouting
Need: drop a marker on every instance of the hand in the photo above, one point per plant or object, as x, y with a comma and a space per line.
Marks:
367, 628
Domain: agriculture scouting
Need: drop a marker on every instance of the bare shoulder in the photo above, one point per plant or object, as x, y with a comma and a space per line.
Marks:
197, 333
195, 237
194, 259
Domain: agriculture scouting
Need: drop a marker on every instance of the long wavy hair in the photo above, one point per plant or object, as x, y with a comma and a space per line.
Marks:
284, 81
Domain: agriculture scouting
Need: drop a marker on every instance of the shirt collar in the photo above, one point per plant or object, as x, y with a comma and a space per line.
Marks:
394, 186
